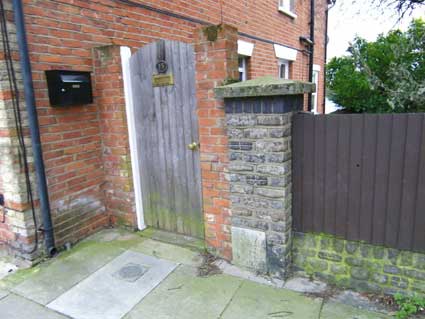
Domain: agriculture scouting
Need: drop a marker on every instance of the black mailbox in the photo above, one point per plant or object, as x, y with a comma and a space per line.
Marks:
69, 87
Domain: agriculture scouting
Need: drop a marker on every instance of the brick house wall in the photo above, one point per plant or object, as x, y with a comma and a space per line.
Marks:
86, 148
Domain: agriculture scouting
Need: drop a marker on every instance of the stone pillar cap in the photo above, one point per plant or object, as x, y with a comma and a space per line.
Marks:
264, 86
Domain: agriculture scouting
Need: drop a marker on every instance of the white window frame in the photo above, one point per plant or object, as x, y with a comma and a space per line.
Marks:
243, 69
316, 75
286, 63
287, 7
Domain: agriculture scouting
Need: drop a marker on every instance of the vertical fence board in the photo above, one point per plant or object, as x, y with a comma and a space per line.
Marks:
297, 169
368, 167
361, 177
354, 177
343, 155
419, 233
396, 172
331, 165
383, 144
308, 172
319, 172
410, 181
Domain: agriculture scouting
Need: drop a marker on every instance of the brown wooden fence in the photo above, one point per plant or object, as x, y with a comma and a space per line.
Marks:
361, 177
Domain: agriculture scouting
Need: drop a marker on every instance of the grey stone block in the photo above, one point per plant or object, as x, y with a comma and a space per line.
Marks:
271, 146
353, 261
250, 223
241, 120
256, 180
241, 188
359, 273
275, 170
414, 274
270, 192
391, 269
330, 256
254, 158
240, 167
256, 133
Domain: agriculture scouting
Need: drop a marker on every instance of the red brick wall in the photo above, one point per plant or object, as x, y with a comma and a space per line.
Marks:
215, 61
87, 165
118, 185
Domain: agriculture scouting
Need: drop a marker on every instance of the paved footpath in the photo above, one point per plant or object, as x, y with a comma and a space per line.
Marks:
115, 275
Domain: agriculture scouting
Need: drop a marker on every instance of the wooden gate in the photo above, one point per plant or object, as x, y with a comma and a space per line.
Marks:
164, 97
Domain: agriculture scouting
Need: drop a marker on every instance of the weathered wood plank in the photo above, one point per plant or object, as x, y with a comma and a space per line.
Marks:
410, 181
354, 176
331, 176
343, 153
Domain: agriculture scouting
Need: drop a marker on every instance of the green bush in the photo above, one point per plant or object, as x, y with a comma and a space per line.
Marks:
409, 305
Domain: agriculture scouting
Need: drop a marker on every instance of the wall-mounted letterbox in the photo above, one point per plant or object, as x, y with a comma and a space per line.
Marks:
69, 87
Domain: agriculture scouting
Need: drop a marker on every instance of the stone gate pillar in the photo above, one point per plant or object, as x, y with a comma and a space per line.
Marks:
259, 125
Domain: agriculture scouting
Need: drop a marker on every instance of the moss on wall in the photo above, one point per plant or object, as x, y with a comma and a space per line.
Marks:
358, 265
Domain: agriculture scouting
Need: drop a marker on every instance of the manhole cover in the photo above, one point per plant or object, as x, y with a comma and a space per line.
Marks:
131, 272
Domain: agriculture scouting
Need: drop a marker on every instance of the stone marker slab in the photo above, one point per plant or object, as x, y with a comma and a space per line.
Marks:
258, 301
108, 296
249, 249
16, 307
183, 295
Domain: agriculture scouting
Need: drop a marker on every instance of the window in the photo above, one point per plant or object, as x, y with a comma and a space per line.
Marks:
314, 95
243, 69
283, 69
287, 7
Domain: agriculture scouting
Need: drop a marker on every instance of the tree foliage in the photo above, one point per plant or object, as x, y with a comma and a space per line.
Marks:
387, 75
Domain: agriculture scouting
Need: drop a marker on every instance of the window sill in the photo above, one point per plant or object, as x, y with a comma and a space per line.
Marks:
288, 13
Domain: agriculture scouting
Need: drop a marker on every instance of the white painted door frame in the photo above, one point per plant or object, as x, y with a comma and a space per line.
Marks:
131, 123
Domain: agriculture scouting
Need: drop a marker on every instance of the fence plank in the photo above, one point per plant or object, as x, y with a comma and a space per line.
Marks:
419, 233
297, 168
308, 176
368, 166
383, 144
410, 181
331, 189
354, 177
396, 172
343, 151
319, 172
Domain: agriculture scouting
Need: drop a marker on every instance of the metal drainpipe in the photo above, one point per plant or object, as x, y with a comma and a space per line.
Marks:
311, 62
49, 239
326, 52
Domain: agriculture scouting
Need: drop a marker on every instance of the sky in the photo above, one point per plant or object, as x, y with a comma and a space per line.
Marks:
359, 17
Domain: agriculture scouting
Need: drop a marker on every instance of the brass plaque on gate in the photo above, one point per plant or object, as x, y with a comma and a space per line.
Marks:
162, 80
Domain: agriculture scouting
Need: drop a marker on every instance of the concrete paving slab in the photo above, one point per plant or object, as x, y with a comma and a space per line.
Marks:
3, 293
183, 295
332, 310
115, 289
355, 299
49, 281
169, 252
16, 307
6, 268
259, 301
115, 234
